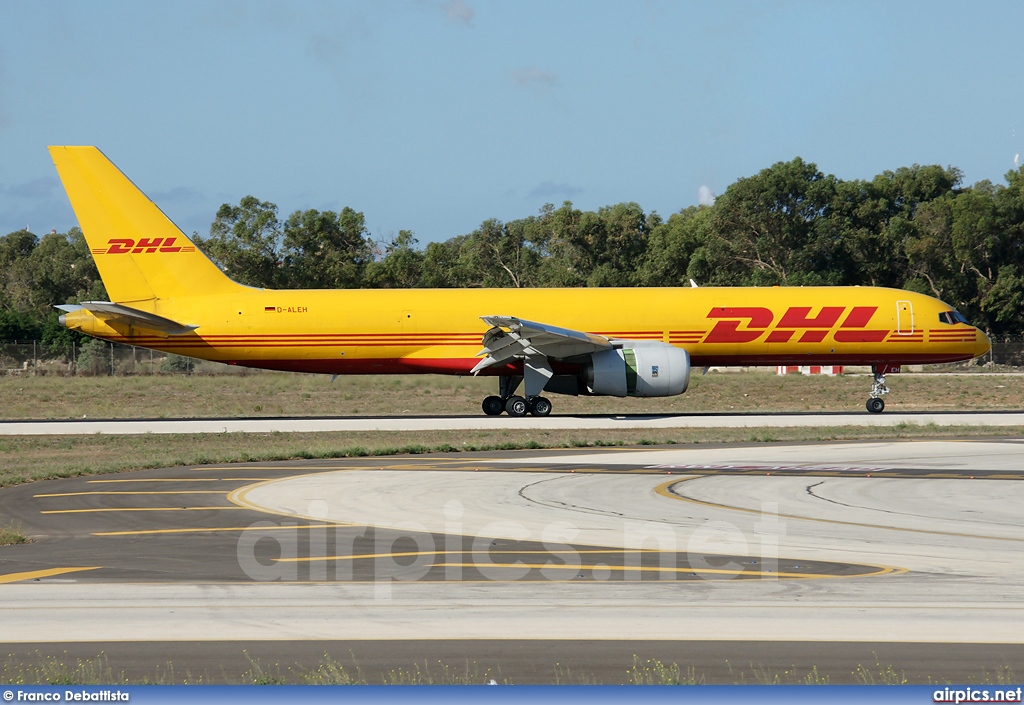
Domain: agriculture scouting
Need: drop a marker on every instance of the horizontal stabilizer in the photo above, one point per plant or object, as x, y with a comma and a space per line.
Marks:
119, 313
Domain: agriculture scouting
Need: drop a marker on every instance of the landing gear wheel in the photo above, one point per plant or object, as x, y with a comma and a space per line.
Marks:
875, 405
540, 406
493, 406
516, 406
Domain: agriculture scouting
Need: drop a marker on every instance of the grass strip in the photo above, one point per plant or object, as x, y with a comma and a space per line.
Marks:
53, 670
31, 458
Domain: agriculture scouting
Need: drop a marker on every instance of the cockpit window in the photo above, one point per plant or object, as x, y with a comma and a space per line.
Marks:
952, 318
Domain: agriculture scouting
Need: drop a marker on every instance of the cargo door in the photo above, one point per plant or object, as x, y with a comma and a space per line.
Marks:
904, 318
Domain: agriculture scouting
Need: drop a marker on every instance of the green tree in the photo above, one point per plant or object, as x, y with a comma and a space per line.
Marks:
15, 284
17, 325
500, 254
325, 250
587, 248
15, 246
1003, 303
564, 258
245, 241
59, 269
37, 274
878, 217
672, 246
443, 266
965, 250
770, 225
619, 244
401, 264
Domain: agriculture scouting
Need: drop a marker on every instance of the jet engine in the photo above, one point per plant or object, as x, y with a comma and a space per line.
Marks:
639, 369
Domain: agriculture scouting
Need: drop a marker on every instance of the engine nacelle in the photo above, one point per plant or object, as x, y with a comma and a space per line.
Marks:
639, 369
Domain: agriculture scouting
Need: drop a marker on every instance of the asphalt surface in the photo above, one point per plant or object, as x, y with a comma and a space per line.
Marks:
903, 551
182, 525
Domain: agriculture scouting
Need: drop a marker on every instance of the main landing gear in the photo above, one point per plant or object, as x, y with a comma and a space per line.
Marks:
875, 403
512, 404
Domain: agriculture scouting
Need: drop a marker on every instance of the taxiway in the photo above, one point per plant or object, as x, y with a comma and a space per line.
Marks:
825, 548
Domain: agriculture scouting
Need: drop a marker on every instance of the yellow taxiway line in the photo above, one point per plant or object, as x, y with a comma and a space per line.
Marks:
879, 569
259, 468
177, 479
407, 554
132, 492
49, 572
203, 530
136, 509
882, 570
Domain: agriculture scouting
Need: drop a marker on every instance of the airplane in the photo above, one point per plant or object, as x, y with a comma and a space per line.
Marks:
165, 294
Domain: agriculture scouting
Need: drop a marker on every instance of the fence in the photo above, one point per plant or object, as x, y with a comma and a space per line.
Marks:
1009, 353
98, 357
94, 357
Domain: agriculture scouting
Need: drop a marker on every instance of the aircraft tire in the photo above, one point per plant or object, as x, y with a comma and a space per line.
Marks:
540, 406
493, 406
516, 406
875, 405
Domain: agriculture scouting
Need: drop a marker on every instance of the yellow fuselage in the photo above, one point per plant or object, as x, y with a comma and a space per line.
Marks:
439, 330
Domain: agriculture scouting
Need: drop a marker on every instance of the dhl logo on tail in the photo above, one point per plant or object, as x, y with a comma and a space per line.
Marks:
124, 246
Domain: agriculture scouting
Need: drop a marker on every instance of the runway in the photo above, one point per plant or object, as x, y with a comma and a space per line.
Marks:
820, 549
463, 423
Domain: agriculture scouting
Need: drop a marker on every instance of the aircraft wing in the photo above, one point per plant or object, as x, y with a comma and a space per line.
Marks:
510, 338
119, 313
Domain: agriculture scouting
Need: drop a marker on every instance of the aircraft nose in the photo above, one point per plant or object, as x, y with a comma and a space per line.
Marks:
982, 344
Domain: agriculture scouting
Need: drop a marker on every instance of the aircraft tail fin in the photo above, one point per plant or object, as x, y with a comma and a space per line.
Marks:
141, 255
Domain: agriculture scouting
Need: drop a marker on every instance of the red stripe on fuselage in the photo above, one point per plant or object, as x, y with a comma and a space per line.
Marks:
462, 366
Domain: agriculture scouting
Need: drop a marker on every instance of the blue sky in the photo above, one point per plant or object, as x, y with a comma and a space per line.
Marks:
433, 115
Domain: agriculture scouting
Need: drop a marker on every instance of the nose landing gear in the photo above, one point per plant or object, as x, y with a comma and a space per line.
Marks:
875, 403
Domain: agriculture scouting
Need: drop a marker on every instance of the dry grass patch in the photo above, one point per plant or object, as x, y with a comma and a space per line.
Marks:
284, 394
10, 534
